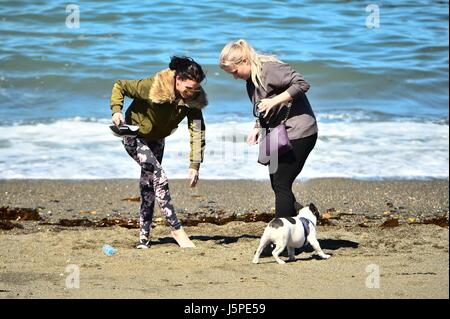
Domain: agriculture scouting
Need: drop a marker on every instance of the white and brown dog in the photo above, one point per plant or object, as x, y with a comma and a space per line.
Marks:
292, 232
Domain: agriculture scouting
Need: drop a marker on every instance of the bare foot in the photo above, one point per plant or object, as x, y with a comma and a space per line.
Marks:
182, 239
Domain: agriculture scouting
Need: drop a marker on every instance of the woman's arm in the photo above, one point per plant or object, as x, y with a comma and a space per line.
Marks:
132, 88
294, 81
282, 98
282, 76
197, 129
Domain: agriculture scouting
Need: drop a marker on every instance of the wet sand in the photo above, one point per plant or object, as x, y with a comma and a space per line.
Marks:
411, 256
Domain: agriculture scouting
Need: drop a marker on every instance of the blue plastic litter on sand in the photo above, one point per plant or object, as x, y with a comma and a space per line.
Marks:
109, 250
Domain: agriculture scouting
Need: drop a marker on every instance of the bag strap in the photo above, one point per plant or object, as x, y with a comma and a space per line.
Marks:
289, 106
255, 109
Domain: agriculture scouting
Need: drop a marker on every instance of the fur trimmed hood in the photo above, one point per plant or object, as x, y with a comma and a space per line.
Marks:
163, 91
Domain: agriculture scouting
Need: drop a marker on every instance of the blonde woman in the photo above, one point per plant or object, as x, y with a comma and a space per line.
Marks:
272, 84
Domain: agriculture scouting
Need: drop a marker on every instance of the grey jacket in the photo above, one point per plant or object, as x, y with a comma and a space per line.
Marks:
279, 78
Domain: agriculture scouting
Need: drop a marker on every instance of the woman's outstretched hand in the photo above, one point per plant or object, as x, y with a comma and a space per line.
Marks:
117, 119
252, 138
193, 177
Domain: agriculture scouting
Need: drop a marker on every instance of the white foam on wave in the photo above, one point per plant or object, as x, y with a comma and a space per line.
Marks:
85, 149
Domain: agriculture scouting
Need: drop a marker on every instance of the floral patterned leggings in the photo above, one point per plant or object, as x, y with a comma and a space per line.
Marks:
153, 183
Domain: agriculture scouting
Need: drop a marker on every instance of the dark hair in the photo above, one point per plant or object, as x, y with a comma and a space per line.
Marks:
186, 68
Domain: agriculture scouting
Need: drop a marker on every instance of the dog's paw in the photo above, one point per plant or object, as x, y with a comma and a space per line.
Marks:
325, 256
255, 260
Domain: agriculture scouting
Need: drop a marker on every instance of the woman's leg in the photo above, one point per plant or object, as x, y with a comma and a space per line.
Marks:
154, 185
289, 167
147, 201
147, 189
145, 186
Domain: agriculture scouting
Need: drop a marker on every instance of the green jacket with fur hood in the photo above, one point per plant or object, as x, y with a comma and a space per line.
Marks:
158, 111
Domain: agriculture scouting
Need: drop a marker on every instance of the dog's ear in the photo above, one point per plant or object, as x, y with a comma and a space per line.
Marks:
314, 210
298, 206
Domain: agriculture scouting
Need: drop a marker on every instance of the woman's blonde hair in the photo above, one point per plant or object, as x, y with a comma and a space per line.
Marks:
235, 52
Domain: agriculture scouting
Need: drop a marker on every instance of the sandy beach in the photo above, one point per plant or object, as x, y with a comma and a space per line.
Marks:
397, 229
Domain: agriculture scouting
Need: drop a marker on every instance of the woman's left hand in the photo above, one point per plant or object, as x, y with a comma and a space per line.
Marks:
265, 105
193, 177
